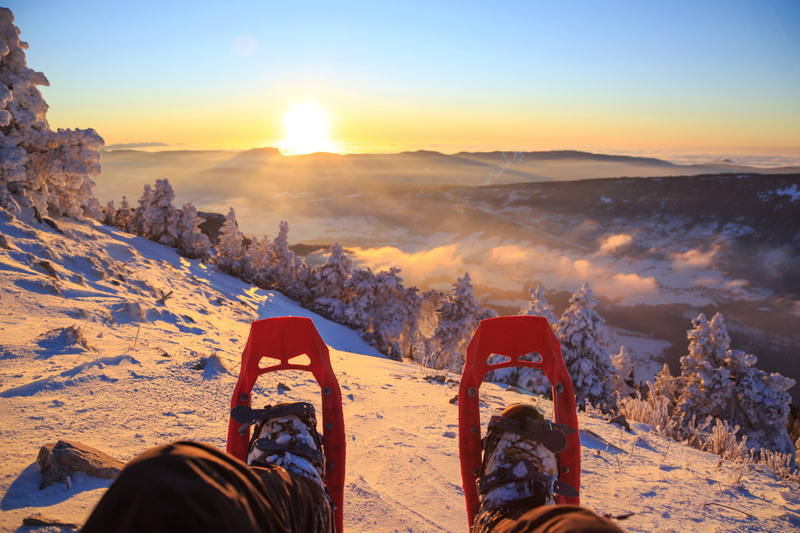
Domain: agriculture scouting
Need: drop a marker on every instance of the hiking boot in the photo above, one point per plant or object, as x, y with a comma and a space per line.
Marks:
287, 436
520, 467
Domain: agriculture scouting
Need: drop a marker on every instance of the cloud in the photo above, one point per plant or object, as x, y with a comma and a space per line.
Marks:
244, 45
614, 242
415, 267
693, 260
123, 146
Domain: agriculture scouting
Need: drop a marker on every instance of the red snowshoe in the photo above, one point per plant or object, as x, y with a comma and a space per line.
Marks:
514, 337
284, 339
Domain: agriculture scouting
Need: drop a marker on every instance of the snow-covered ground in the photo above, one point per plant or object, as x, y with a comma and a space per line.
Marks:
124, 379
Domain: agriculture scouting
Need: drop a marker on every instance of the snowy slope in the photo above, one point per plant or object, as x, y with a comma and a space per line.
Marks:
124, 379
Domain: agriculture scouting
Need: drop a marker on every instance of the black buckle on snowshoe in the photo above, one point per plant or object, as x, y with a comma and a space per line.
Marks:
543, 482
553, 436
301, 450
247, 416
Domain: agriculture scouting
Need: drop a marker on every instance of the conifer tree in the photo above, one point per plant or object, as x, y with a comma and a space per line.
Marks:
230, 250
41, 168
459, 317
123, 218
109, 213
622, 381
665, 384
723, 383
191, 242
582, 333
538, 306
330, 278
160, 221
144, 203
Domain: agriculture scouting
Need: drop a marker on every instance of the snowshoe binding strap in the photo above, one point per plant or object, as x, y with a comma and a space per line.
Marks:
301, 450
543, 483
247, 416
553, 436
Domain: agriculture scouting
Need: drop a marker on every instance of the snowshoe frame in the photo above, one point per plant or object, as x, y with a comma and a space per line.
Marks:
513, 337
285, 338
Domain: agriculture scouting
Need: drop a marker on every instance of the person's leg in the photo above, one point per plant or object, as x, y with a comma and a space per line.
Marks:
551, 519
196, 488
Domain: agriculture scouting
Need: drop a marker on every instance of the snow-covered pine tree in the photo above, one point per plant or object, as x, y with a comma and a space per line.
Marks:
459, 316
530, 379
160, 222
230, 250
123, 218
138, 215
623, 382
257, 258
330, 278
723, 383
40, 168
109, 213
538, 306
191, 242
705, 386
281, 272
582, 332
665, 384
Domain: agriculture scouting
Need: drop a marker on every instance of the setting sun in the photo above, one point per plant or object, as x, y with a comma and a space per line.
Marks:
306, 129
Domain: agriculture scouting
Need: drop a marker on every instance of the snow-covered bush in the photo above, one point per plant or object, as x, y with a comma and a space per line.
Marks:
582, 333
39, 167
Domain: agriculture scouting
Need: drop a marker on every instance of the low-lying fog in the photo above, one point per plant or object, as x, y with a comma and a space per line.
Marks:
655, 251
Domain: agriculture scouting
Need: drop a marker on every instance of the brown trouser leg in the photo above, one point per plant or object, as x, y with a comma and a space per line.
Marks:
555, 519
196, 488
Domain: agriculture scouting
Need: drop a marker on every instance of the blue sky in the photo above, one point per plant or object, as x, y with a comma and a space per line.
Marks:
517, 75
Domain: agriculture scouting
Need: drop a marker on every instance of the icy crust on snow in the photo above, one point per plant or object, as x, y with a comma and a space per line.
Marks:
402, 470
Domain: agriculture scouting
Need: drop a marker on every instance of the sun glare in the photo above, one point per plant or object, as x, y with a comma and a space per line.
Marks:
306, 129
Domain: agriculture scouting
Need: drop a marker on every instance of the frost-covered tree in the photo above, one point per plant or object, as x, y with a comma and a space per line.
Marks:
39, 167
190, 241
281, 272
459, 316
622, 381
160, 221
530, 379
665, 384
378, 305
230, 250
538, 306
723, 383
582, 332
123, 218
330, 278
706, 386
257, 258
109, 213
144, 204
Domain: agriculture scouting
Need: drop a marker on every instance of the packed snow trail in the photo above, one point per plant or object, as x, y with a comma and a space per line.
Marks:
134, 373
